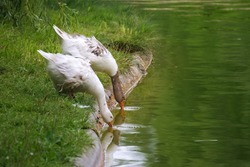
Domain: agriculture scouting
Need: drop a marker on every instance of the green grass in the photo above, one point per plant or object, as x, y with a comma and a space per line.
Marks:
38, 126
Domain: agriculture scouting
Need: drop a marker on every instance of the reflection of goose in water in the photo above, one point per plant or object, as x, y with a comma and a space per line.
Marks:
119, 119
121, 155
114, 145
110, 143
107, 138
100, 58
121, 146
126, 151
74, 74
92, 156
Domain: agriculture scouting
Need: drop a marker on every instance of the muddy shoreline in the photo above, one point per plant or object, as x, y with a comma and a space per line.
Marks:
94, 155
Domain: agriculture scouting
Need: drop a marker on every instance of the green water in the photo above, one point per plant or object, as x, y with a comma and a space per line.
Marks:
195, 101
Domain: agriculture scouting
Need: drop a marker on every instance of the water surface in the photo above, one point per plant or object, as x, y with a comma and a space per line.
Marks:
194, 105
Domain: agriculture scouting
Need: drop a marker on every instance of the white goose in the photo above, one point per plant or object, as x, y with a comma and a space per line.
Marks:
100, 58
74, 74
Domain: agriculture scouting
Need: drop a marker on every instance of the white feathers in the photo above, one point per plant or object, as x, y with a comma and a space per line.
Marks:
74, 74
99, 56
72, 71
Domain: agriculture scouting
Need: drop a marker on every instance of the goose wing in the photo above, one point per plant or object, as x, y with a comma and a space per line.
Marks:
88, 46
67, 71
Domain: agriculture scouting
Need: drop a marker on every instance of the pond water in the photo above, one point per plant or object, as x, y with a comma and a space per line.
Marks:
193, 108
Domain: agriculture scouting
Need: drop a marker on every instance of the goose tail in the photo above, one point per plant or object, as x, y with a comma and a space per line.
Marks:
61, 33
45, 54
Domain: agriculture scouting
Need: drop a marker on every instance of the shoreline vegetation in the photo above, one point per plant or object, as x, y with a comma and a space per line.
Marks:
39, 127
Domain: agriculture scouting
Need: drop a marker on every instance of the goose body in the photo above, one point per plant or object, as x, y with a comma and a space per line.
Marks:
99, 56
74, 74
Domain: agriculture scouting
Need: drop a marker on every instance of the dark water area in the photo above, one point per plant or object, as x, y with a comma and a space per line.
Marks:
193, 108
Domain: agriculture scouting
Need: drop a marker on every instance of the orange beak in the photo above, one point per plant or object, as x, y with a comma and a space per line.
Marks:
122, 104
110, 124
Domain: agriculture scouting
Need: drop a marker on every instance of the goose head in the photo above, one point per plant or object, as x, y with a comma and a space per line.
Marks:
106, 114
107, 117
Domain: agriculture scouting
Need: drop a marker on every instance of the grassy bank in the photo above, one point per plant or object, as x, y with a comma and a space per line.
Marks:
38, 126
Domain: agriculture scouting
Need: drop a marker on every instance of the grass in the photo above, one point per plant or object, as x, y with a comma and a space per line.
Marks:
39, 127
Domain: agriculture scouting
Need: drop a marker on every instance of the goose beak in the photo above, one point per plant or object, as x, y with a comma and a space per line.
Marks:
122, 104
110, 124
